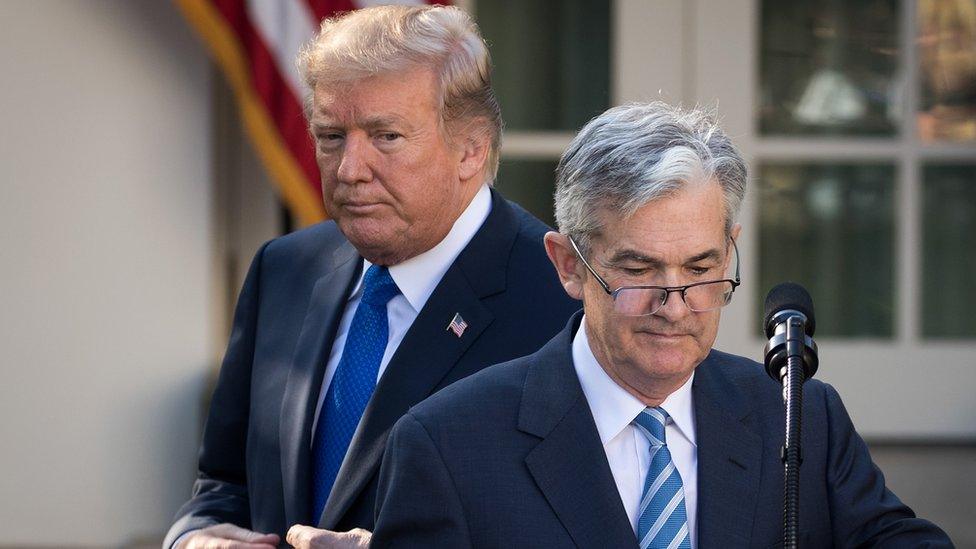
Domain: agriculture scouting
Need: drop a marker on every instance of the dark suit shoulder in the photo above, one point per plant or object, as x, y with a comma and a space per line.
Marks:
745, 385
303, 256
308, 243
530, 227
532, 283
751, 378
528, 246
739, 368
493, 392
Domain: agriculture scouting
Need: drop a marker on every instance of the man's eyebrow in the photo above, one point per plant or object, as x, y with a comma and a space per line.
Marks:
319, 125
708, 254
382, 121
370, 123
625, 255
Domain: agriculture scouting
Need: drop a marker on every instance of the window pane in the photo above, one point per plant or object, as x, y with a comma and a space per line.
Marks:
531, 184
829, 67
830, 228
947, 57
949, 251
551, 60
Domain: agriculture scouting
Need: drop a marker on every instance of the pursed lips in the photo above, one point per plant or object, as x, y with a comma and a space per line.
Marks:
663, 335
360, 207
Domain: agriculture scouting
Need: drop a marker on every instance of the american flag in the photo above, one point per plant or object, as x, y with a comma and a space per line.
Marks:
457, 325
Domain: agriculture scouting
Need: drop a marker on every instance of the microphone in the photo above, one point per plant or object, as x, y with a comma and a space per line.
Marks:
790, 359
789, 324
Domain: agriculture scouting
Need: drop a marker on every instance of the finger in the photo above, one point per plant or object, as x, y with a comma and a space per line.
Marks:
359, 537
299, 535
303, 537
212, 542
234, 532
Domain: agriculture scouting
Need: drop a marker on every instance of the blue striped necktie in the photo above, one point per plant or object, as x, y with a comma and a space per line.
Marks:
352, 385
662, 522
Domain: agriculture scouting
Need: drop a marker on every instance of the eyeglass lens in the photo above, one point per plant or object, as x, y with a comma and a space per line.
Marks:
647, 301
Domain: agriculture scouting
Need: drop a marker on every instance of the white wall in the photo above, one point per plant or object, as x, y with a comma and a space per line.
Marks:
107, 278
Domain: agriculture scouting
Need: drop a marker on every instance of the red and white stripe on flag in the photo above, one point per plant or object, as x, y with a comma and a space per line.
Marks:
255, 43
457, 325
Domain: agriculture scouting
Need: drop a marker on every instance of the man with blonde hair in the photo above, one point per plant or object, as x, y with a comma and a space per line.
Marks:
423, 276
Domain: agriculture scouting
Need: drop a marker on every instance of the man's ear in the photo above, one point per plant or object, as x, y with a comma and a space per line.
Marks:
567, 264
474, 154
734, 233
736, 229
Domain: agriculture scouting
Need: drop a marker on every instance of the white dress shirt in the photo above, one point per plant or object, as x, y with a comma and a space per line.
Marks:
626, 447
416, 277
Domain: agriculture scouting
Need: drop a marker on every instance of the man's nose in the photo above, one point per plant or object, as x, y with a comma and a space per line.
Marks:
354, 166
674, 307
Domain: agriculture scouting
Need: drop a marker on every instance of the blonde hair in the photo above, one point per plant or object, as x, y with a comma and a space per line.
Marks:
391, 39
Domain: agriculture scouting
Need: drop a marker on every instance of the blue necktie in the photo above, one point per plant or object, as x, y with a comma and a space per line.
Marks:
352, 384
662, 521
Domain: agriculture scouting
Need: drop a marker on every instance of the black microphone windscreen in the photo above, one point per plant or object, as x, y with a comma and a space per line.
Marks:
785, 296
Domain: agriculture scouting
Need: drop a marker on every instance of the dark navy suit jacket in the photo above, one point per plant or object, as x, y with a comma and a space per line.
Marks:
511, 457
254, 468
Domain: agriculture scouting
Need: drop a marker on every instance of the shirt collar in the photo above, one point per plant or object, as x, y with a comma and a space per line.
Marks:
418, 276
612, 406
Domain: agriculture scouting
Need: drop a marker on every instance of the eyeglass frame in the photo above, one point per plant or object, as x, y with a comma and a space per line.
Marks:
736, 282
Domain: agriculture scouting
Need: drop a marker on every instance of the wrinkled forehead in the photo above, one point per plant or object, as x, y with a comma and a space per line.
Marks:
684, 224
385, 94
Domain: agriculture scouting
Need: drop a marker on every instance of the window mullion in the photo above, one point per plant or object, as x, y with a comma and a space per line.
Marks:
909, 197
535, 145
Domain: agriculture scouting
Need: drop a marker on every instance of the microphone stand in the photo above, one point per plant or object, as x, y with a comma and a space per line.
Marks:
792, 458
798, 351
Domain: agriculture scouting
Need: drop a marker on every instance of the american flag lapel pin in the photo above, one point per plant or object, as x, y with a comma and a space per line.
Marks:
457, 325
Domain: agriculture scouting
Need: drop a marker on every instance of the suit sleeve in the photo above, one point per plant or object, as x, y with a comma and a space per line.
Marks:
220, 491
864, 512
417, 503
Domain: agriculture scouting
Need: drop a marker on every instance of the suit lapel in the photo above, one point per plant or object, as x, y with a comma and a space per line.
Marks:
428, 352
325, 308
569, 464
729, 459
571, 468
425, 356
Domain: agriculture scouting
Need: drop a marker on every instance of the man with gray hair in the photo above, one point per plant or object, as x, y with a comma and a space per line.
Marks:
627, 429
423, 276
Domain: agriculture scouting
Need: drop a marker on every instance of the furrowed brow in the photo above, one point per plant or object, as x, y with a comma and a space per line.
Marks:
371, 123
375, 122
627, 255
712, 254
318, 126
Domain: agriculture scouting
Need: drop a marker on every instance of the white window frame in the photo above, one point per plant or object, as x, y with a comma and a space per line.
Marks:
706, 52
905, 387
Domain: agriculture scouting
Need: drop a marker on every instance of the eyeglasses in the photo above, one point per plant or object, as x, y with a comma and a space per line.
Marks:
647, 300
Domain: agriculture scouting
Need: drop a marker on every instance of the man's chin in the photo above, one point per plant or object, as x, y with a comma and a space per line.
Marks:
657, 343
668, 361
377, 246
382, 254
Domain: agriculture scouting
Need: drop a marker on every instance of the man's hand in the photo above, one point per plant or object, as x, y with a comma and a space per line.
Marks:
306, 537
226, 536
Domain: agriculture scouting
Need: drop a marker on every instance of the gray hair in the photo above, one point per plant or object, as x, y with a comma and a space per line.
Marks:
391, 39
634, 154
